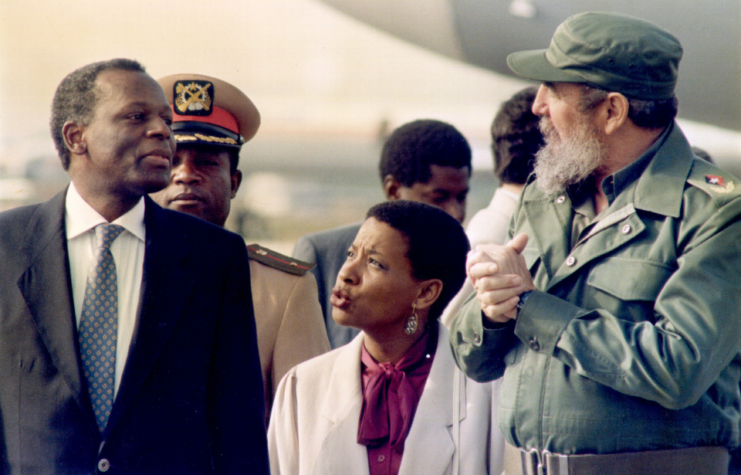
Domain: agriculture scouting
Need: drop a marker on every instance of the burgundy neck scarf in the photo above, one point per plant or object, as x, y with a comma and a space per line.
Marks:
391, 394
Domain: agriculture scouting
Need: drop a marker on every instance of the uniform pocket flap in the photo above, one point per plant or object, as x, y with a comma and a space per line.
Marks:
630, 279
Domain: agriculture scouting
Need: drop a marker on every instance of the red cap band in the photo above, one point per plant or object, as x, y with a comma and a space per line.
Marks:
219, 117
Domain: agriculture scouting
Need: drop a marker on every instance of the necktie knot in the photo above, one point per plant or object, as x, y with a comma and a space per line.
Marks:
105, 234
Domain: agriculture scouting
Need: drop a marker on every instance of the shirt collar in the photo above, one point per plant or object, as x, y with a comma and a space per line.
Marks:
80, 217
619, 181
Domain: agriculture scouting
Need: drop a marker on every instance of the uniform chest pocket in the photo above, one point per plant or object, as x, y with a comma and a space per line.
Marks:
630, 279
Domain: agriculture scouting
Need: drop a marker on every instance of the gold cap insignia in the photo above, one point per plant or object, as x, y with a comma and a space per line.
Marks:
193, 97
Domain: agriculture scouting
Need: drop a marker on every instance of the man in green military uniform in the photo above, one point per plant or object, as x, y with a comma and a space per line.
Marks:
613, 311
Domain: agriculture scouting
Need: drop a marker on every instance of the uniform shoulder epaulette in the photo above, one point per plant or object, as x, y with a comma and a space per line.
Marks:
277, 260
717, 183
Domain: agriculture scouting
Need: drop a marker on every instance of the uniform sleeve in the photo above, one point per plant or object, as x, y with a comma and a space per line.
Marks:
302, 334
479, 350
283, 431
235, 394
672, 360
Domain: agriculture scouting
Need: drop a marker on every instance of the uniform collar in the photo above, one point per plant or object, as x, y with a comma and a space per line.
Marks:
661, 186
622, 179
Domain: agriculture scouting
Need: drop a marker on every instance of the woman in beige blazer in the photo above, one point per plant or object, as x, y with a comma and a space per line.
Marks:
405, 265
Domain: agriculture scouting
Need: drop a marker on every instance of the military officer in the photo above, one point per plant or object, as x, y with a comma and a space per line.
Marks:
613, 310
211, 121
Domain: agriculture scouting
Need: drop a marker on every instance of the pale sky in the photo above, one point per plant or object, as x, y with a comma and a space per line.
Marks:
309, 69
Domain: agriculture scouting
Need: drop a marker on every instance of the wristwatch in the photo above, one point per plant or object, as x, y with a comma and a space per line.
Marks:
523, 299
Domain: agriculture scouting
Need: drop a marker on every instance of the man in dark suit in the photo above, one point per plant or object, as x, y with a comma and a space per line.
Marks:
426, 161
172, 383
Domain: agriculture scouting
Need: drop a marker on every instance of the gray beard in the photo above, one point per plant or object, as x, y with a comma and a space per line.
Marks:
567, 161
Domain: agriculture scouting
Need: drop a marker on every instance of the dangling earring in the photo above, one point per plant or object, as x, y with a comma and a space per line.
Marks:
411, 324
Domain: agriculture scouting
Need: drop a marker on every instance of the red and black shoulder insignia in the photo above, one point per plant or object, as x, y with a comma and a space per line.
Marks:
277, 260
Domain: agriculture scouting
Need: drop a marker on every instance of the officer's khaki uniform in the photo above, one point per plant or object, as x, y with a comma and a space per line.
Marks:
631, 342
290, 327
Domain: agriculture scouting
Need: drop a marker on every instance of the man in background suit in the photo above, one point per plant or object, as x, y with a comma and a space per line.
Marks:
426, 161
210, 131
176, 386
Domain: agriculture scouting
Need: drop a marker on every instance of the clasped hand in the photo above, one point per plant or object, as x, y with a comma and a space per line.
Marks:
499, 275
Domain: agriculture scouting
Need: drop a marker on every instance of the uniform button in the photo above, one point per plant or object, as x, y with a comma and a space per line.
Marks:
560, 199
627, 229
104, 465
381, 458
476, 338
571, 261
533, 344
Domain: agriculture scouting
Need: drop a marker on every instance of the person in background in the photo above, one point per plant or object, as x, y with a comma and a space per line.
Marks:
211, 121
427, 161
391, 401
127, 341
613, 310
515, 139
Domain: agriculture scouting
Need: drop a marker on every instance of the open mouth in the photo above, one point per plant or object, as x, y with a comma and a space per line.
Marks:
340, 299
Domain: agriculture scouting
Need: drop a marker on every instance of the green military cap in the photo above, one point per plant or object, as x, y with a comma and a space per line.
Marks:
611, 51
209, 111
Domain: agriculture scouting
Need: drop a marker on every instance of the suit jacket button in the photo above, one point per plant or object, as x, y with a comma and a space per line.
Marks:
104, 465
533, 344
571, 261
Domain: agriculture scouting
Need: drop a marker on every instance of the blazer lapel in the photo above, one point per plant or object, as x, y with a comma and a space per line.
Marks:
429, 447
46, 288
165, 279
340, 453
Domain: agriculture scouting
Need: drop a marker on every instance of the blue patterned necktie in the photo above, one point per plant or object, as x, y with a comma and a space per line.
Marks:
99, 324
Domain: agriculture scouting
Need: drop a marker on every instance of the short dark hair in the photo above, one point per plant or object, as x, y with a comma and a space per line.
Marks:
437, 244
413, 147
75, 98
649, 114
516, 138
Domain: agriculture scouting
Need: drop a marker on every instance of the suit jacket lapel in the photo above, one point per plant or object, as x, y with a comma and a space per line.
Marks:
166, 277
340, 453
429, 446
46, 288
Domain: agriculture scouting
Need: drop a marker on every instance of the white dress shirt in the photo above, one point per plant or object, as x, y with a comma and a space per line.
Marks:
128, 253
